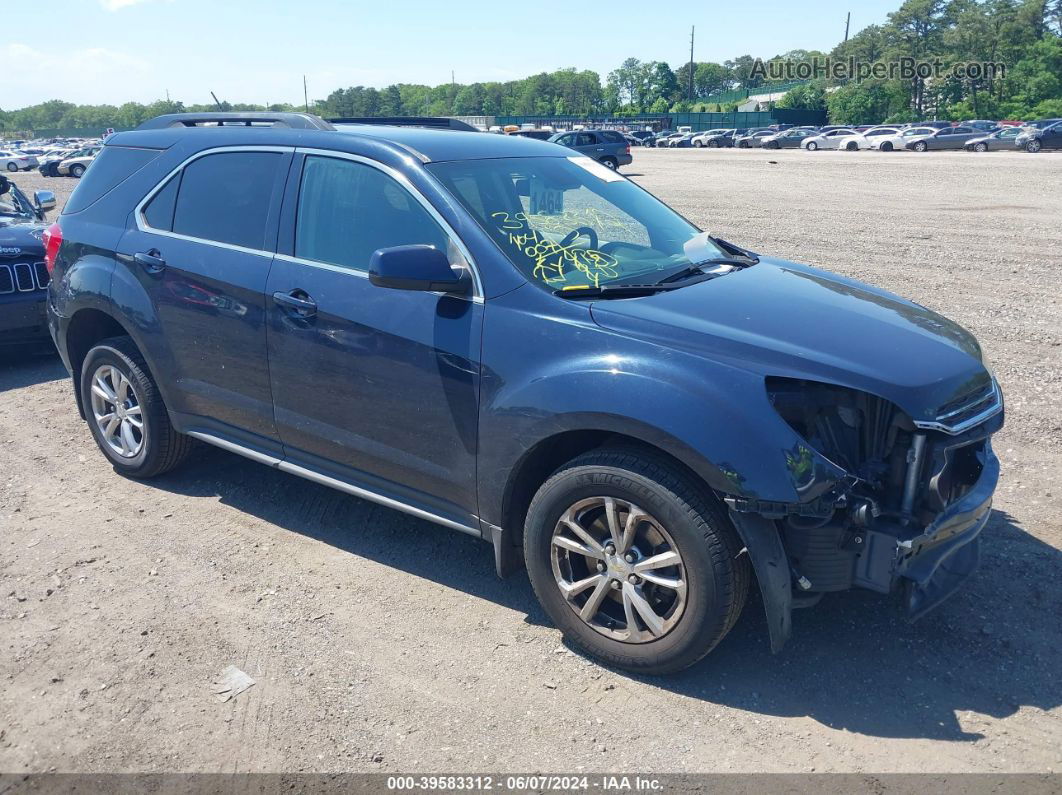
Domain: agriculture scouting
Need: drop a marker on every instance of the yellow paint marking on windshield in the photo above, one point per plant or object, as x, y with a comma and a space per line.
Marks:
554, 262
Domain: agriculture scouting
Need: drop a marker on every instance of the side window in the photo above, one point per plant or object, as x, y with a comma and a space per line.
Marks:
585, 139
612, 137
159, 211
225, 197
566, 140
348, 210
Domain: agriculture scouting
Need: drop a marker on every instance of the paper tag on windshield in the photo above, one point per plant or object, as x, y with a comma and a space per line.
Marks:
544, 199
601, 172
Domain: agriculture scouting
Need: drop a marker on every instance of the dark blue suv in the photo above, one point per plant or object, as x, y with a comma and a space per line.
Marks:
514, 341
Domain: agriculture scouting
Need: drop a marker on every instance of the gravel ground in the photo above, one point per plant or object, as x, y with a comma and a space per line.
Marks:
381, 643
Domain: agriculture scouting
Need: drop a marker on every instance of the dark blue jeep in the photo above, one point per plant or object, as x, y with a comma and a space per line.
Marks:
23, 277
509, 339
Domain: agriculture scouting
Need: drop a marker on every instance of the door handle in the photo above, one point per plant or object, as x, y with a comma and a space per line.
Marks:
151, 261
297, 301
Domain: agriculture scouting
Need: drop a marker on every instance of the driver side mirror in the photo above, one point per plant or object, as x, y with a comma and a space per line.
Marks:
44, 199
417, 267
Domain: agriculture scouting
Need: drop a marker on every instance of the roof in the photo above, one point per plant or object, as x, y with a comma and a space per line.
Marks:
428, 145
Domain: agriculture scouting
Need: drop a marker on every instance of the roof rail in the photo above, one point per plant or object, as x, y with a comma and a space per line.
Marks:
433, 122
297, 121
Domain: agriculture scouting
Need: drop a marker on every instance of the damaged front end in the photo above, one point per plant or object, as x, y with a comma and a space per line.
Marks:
906, 513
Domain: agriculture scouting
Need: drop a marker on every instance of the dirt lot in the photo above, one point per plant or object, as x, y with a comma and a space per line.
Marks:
381, 643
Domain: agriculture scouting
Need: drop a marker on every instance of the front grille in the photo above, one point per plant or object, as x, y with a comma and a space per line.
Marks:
23, 277
965, 412
40, 270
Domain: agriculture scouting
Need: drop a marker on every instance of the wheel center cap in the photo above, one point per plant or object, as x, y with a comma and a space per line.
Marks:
618, 567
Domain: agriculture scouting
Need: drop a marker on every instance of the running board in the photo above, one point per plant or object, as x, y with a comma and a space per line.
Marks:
334, 483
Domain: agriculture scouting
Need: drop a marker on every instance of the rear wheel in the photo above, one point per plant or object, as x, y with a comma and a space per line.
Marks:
610, 162
12, 166
698, 144
125, 411
713, 144
743, 145
633, 562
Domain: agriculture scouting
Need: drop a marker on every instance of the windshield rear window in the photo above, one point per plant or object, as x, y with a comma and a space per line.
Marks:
569, 222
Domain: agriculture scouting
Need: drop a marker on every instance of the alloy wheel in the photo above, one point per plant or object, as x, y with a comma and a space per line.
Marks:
619, 569
116, 410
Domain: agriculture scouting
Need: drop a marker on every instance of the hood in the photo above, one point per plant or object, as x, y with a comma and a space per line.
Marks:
20, 236
778, 318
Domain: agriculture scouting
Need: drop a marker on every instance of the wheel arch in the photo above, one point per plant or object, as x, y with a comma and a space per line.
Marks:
86, 328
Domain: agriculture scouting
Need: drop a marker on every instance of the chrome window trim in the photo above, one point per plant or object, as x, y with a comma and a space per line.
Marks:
421, 199
144, 226
325, 480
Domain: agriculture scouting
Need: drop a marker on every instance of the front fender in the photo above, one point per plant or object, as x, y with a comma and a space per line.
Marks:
715, 418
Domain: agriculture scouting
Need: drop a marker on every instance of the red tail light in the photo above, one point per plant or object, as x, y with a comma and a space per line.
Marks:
628, 148
53, 238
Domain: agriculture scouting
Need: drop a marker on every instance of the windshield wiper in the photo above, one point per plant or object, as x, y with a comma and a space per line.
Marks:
698, 268
614, 290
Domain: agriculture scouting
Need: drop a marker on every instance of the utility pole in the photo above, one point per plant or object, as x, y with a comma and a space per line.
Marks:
693, 28
847, 22
305, 95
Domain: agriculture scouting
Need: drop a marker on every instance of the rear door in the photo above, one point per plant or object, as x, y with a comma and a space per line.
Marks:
201, 249
376, 387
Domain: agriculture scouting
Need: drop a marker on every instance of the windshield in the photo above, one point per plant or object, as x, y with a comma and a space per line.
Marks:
571, 222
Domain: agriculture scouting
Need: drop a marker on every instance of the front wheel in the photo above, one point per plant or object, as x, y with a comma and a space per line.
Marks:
886, 147
980, 147
921, 146
634, 562
125, 411
77, 170
12, 166
713, 144
812, 146
1033, 146
852, 146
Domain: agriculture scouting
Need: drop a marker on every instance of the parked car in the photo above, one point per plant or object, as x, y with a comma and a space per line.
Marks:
888, 143
982, 125
1033, 139
680, 140
664, 141
1040, 124
541, 135
49, 162
1003, 138
947, 138
13, 161
702, 138
447, 334
789, 139
830, 139
723, 140
76, 165
753, 139
936, 125
23, 276
608, 147
862, 139
644, 136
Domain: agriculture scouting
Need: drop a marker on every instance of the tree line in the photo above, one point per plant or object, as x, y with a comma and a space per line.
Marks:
1025, 35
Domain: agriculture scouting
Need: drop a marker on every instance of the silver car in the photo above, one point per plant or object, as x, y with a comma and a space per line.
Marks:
946, 138
889, 143
1000, 139
753, 140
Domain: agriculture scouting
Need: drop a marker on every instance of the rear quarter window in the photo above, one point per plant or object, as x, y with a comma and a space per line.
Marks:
612, 137
111, 167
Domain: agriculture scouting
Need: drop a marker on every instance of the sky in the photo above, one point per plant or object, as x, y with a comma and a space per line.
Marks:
114, 51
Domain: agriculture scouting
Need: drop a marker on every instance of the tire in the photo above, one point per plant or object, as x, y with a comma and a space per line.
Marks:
886, 147
811, 146
851, 146
772, 145
610, 162
681, 515
743, 145
980, 147
157, 447
1033, 146
12, 167
698, 144
921, 146
77, 170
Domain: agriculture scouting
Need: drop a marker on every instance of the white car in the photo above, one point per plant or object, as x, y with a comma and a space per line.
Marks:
826, 140
863, 140
699, 139
16, 161
890, 143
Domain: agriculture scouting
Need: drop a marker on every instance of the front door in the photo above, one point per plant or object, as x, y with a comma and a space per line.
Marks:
374, 386
202, 248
